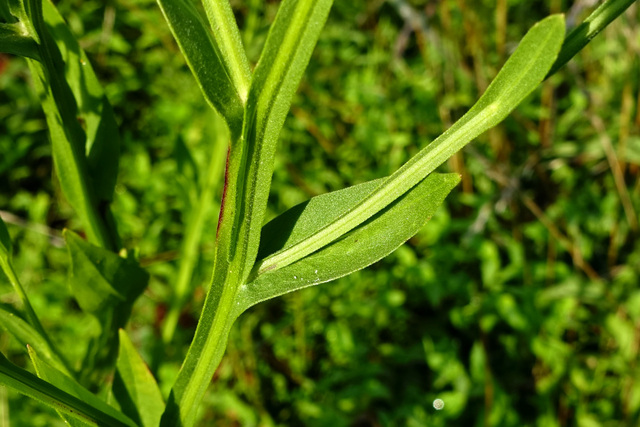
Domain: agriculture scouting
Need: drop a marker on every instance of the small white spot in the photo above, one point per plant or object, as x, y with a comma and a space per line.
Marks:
316, 271
438, 404
295, 277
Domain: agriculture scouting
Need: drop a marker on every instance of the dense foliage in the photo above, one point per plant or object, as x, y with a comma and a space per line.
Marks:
517, 305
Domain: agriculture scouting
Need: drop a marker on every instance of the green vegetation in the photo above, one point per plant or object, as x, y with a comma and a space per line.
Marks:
517, 304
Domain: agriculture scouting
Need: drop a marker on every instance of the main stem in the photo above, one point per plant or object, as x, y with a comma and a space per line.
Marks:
210, 341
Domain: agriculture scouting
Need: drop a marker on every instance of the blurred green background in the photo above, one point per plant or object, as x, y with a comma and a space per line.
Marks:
518, 304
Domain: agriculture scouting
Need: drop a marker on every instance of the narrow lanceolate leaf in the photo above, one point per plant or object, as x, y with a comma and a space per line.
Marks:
61, 400
28, 335
229, 44
222, 77
102, 144
134, 387
56, 378
585, 32
284, 58
521, 74
366, 244
15, 40
68, 138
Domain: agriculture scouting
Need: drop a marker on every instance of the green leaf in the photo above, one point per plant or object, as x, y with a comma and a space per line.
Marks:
70, 404
105, 285
68, 138
5, 243
585, 32
13, 40
102, 145
53, 376
521, 74
134, 387
28, 335
285, 56
366, 244
305, 219
99, 278
6, 265
223, 78
229, 44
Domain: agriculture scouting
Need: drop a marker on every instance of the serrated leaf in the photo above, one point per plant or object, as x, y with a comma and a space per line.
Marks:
28, 335
99, 278
521, 74
56, 378
366, 244
222, 82
135, 388
71, 405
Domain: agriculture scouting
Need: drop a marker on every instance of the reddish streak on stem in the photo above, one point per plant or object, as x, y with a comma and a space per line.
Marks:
224, 191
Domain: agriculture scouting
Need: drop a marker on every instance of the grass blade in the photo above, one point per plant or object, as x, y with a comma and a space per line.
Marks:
19, 330
521, 74
28, 335
366, 244
28, 384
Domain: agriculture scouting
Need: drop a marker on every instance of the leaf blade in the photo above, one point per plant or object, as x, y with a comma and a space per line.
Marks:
30, 385
68, 385
201, 51
291, 40
522, 73
134, 387
366, 244
102, 145
15, 42
28, 335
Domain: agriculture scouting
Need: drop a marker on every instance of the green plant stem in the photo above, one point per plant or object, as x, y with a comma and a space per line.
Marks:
585, 32
193, 236
32, 317
211, 334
